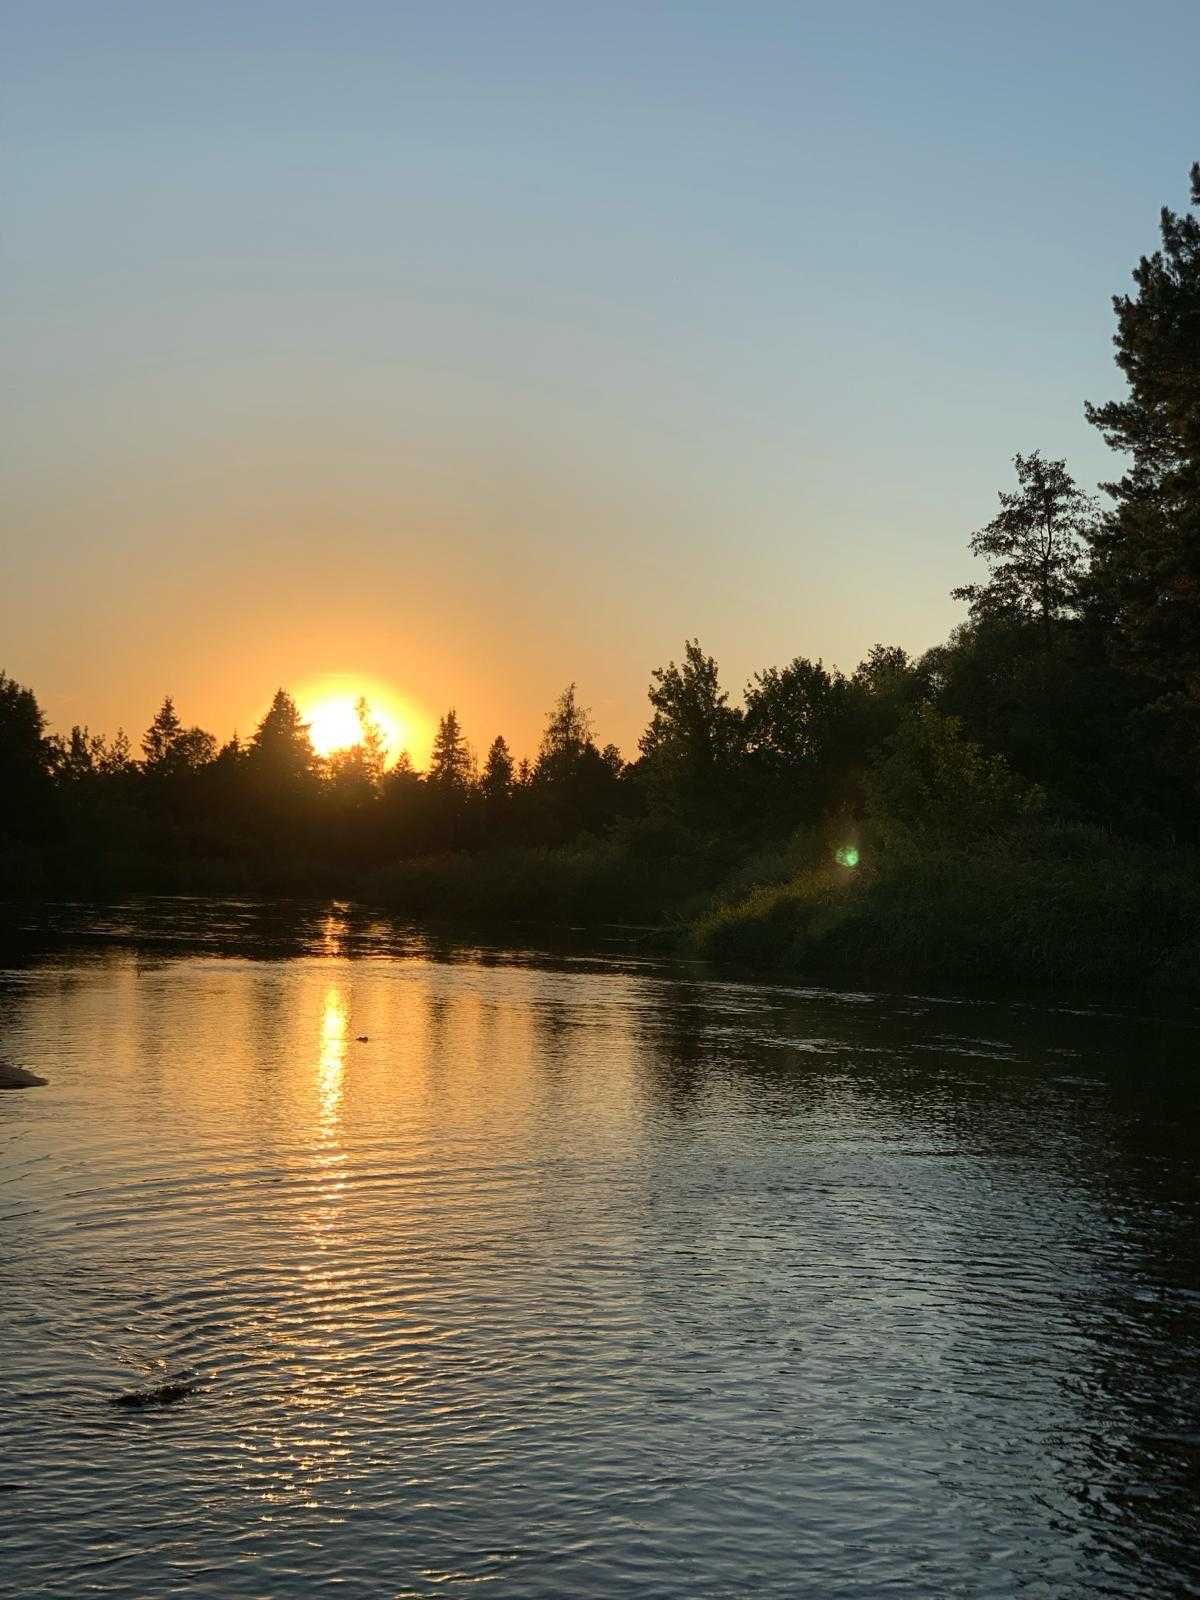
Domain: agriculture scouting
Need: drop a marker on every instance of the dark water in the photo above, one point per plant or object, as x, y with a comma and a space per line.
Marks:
582, 1277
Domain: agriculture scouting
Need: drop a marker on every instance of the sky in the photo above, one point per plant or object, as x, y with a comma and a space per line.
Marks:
468, 349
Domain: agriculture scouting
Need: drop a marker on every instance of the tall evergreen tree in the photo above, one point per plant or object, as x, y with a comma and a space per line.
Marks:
403, 798
496, 780
281, 745
161, 737
1147, 553
450, 761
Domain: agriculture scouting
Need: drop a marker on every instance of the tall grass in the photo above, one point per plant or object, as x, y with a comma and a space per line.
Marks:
1044, 902
1052, 903
637, 873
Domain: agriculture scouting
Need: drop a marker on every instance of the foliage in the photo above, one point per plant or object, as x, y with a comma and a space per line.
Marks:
162, 735
1021, 798
568, 735
24, 763
281, 749
1034, 548
498, 778
450, 765
693, 744
1146, 573
802, 736
573, 787
1060, 905
932, 785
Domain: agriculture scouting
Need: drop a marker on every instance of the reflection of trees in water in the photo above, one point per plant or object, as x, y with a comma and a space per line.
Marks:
437, 1009
676, 1050
1068, 1141
251, 929
663, 1131
555, 1026
1139, 1387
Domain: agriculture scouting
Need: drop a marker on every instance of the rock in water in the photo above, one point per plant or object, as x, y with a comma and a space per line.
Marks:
17, 1078
162, 1394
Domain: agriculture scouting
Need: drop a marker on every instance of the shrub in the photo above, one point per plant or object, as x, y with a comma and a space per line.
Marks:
933, 785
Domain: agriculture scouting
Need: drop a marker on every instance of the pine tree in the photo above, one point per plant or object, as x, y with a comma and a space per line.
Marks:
281, 744
496, 783
450, 761
1147, 553
161, 737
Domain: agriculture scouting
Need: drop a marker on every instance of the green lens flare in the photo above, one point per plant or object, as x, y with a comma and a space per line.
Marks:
847, 856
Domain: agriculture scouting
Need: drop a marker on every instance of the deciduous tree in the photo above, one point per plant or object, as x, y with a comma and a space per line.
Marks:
1034, 547
694, 741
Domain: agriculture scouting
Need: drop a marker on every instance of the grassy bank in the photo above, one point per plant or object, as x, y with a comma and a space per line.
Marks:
1043, 903
1053, 904
636, 873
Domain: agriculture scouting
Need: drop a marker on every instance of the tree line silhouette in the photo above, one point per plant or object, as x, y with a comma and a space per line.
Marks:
1069, 694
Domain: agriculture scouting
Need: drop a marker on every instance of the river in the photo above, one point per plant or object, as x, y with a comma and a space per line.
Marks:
581, 1274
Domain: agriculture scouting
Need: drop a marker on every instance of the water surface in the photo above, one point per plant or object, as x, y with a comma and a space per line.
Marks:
578, 1275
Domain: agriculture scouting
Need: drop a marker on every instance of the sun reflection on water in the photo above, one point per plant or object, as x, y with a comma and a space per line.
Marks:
331, 1064
330, 1158
333, 931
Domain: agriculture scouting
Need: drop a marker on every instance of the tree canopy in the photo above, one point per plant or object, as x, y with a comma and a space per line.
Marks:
1035, 547
1147, 565
1072, 688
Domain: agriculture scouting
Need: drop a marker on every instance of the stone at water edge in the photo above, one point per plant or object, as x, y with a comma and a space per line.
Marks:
17, 1078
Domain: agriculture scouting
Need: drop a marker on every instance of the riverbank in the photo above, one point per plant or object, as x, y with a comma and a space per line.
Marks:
1049, 903
1063, 905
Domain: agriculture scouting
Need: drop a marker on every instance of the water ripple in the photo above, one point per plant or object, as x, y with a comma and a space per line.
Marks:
586, 1278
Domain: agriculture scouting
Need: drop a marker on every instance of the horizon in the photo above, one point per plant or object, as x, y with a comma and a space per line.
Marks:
469, 356
718, 1117
330, 701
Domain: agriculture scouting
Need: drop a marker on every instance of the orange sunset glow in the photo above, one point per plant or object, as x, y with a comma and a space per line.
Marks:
599, 799
330, 708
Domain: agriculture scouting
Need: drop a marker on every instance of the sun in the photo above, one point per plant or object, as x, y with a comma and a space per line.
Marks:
333, 722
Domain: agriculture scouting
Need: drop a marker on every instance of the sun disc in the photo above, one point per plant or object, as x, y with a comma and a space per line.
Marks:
333, 723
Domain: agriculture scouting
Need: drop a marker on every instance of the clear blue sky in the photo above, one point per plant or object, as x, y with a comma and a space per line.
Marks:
476, 347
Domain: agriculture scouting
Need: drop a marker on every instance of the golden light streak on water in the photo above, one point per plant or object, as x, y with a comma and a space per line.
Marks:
331, 1063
